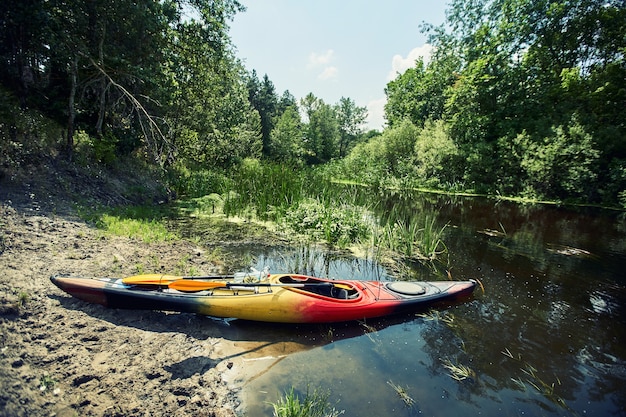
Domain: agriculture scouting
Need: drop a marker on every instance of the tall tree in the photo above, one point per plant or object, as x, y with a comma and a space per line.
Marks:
511, 76
322, 131
286, 138
350, 119
116, 69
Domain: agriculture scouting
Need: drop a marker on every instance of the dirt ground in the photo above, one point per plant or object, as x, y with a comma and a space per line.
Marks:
64, 357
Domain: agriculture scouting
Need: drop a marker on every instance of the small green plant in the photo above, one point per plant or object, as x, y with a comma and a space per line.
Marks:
402, 393
140, 268
314, 404
22, 298
46, 382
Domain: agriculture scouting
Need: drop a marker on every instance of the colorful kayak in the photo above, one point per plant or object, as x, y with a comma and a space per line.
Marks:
287, 298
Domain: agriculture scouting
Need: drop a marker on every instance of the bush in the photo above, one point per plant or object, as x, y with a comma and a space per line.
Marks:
435, 155
336, 225
561, 165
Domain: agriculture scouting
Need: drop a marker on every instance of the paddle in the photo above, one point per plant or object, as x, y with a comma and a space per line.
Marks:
192, 286
162, 279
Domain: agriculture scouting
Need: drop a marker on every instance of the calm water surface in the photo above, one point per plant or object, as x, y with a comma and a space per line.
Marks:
546, 338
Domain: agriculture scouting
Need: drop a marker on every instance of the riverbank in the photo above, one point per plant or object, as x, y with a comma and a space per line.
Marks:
64, 357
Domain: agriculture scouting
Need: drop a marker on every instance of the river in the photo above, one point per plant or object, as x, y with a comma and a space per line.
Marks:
546, 337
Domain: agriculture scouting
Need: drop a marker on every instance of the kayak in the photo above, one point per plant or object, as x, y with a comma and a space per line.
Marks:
284, 298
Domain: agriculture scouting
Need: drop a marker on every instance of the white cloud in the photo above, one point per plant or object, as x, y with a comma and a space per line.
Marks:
376, 114
316, 59
328, 73
399, 64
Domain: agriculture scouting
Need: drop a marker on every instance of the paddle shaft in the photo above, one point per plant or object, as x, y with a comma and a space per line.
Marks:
163, 279
183, 285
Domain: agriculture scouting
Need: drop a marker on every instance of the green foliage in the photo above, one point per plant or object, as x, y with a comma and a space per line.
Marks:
563, 164
531, 94
350, 119
314, 404
286, 144
263, 98
264, 189
192, 183
364, 164
335, 224
26, 135
399, 145
140, 222
436, 156
417, 94
132, 74
412, 239
92, 149
321, 133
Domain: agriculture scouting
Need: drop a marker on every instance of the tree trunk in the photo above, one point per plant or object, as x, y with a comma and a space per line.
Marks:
103, 86
72, 110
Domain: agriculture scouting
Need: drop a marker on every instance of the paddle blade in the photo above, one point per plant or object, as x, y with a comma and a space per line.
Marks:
193, 286
150, 279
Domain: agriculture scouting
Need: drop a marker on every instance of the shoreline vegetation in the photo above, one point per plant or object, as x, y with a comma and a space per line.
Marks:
514, 199
284, 205
123, 211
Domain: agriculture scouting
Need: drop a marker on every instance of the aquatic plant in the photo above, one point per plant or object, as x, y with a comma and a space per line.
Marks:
371, 333
402, 393
458, 371
411, 240
548, 390
435, 315
321, 220
314, 404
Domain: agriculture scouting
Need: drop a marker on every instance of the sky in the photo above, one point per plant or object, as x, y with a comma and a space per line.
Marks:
334, 48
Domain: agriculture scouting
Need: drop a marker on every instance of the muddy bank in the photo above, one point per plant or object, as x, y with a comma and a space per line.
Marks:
64, 357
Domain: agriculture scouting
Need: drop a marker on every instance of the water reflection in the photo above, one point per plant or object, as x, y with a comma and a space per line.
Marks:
548, 337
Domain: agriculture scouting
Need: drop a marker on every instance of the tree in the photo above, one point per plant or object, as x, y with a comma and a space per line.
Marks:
350, 119
123, 72
321, 132
286, 143
509, 69
399, 144
262, 96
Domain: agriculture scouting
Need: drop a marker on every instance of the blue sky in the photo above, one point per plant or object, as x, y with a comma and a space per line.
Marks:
334, 48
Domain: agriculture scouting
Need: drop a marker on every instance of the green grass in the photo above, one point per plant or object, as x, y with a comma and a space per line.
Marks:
148, 231
306, 203
411, 240
313, 404
145, 223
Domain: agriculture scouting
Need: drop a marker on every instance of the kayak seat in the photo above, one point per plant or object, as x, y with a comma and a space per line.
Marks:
339, 293
328, 291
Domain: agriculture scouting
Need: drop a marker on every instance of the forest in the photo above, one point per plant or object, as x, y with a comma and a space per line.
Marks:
521, 98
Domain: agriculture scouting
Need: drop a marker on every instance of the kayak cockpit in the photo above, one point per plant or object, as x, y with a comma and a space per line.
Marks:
321, 287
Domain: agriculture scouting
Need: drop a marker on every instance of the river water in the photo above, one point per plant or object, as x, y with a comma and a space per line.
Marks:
547, 337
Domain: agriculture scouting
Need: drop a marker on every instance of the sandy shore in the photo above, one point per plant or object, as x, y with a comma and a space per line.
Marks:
63, 357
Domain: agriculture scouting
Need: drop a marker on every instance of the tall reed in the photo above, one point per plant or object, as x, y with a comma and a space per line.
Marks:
410, 240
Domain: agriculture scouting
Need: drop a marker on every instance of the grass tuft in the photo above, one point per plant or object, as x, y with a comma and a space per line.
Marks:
313, 404
402, 393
